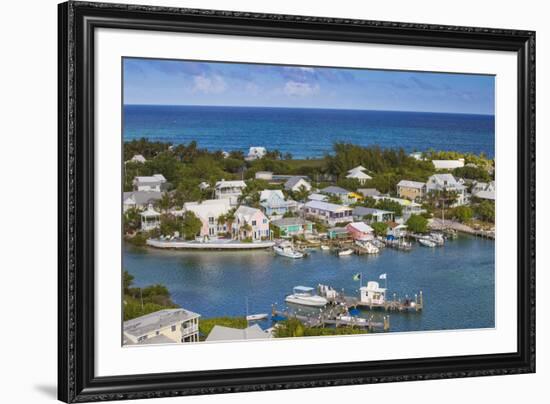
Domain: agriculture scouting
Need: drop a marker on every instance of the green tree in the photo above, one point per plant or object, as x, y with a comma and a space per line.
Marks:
392, 206
132, 220
485, 210
463, 213
380, 228
191, 225
127, 281
417, 224
302, 194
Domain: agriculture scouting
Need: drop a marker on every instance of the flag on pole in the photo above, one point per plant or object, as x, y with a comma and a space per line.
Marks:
357, 277
383, 276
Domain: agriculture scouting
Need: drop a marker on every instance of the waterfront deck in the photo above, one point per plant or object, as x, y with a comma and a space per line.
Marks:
331, 316
210, 245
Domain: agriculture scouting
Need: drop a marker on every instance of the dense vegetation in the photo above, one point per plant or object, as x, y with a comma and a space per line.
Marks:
141, 301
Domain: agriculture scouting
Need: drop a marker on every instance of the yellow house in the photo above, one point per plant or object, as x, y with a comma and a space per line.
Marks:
411, 190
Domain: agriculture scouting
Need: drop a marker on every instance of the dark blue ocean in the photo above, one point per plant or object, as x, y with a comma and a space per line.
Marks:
308, 132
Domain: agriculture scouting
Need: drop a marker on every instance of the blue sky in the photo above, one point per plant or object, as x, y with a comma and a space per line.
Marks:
171, 82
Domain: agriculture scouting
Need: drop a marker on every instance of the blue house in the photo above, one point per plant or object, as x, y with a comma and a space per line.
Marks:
273, 202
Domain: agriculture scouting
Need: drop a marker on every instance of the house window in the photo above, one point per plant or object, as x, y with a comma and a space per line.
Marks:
253, 223
211, 220
265, 221
173, 328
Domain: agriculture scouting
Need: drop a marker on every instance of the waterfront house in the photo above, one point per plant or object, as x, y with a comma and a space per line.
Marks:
317, 197
447, 182
372, 215
264, 175
339, 192
357, 169
250, 223
416, 155
396, 230
360, 231
163, 326
484, 190
150, 219
208, 212
338, 233
369, 192
372, 294
296, 183
255, 153
273, 202
408, 207
222, 333
448, 164
138, 158
359, 176
412, 190
139, 199
293, 226
328, 213
155, 182
231, 190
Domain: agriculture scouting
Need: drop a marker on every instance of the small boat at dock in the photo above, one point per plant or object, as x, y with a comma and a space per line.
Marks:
325, 247
367, 246
437, 238
256, 317
345, 252
285, 249
305, 296
426, 242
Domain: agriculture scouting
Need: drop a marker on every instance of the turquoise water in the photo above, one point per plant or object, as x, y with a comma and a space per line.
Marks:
457, 280
308, 132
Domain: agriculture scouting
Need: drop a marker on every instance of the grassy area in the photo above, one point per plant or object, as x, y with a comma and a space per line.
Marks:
206, 324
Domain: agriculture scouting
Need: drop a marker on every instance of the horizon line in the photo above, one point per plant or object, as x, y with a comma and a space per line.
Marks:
321, 108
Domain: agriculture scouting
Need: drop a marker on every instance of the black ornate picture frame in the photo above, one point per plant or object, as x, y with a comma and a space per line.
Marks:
77, 24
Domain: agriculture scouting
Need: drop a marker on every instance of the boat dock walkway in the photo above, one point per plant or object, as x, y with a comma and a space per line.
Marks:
333, 317
407, 304
438, 224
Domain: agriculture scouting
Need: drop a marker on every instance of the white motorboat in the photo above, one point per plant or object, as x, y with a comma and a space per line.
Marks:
255, 317
427, 243
437, 238
305, 296
325, 247
286, 250
369, 247
345, 252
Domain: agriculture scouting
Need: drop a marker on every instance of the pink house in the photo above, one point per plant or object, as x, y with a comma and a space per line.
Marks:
250, 223
360, 231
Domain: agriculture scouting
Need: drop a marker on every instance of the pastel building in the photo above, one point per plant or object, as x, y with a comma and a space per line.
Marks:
273, 202
209, 212
360, 231
150, 219
447, 182
231, 190
161, 327
293, 226
411, 189
328, 213
358, 173
250, 223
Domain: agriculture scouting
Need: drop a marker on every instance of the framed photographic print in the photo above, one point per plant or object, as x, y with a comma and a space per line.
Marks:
255, 201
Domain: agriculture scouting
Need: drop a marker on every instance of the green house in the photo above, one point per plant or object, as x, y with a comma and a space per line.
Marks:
337, 233
293, 226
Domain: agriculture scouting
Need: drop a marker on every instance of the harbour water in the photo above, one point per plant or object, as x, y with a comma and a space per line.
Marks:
457, 280
308, 132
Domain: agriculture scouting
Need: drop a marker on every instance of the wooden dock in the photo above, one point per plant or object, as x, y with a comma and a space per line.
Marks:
406, 304
332, 316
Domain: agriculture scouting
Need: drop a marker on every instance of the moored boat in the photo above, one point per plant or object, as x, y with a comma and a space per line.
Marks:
286, 250
345, 252
427, 243
256, 317
368, 247
305, 296
325, 247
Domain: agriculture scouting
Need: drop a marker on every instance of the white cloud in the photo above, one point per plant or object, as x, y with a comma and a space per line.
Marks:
294, 88
252, 88
209, 85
